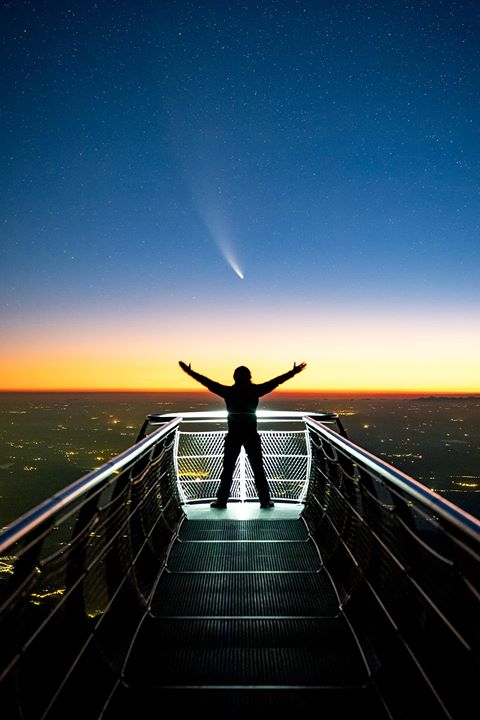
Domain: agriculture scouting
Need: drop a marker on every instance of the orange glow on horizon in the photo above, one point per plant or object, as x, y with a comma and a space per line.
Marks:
102, 374
344, 353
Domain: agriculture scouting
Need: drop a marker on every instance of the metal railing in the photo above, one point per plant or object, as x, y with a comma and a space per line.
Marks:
78, 574
406, 565
199, 455
80, 570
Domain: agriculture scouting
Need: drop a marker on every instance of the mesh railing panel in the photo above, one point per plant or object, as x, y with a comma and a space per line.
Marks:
405, 573
200, 461
76, 587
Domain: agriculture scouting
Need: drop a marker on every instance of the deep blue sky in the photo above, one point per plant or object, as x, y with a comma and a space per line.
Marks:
331, 148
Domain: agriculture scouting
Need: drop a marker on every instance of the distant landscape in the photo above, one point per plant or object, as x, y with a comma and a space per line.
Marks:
48, 440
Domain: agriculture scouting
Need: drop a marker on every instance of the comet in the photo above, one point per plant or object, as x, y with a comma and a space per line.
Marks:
221, 236
227, 254
208, 198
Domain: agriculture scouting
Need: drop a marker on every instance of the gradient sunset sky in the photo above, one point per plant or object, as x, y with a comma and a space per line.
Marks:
154, 152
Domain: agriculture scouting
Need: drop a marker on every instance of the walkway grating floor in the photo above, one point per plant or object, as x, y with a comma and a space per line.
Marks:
245, 618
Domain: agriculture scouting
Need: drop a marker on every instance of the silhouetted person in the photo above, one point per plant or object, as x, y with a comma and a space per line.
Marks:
242, 401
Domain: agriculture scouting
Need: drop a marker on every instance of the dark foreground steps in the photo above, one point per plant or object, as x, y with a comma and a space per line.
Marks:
245, 623
248, 704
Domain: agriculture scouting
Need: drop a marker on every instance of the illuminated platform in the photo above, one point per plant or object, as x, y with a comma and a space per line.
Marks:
244, 511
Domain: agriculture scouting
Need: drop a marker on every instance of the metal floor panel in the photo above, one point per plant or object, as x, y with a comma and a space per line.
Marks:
244, 556
249, 703
284, 652
254, 666
212, 594
227, 530
246, 623
332, 636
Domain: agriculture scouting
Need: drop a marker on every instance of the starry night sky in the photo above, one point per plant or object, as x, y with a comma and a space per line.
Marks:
327, 150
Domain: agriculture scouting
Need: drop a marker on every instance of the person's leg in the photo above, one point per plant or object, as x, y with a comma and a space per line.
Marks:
253, 448
231, 451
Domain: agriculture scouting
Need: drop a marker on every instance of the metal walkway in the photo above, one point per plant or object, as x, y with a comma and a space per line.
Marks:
126, 595
246, 618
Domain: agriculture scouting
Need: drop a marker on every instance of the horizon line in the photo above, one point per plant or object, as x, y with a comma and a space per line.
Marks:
310, 391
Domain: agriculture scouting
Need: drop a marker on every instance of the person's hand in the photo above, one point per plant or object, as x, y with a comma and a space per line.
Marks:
299, 368
184, 366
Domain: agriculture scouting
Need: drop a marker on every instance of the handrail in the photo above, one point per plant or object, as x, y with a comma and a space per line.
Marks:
262, 414
209, 416
47, 509
443, 507
405, 564
80, 570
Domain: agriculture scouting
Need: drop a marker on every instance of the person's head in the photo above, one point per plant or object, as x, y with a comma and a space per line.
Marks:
242, 375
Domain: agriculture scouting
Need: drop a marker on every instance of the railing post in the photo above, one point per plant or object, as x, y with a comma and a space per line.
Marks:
242, 463
181, 491
309, 466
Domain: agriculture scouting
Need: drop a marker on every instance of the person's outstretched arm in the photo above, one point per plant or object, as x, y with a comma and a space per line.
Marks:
212, 385
270, 385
